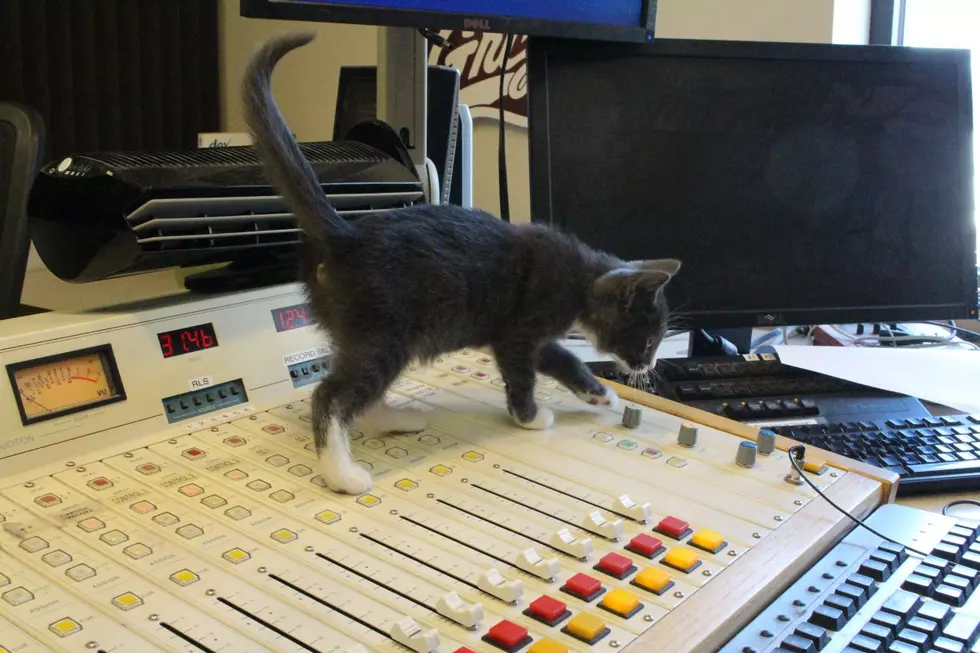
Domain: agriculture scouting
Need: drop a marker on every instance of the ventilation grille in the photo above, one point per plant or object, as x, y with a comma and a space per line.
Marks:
228, 223
319, 152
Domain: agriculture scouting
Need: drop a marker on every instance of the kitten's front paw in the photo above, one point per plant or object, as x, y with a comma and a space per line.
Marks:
607, 398
346, 476
385, 419
545, 419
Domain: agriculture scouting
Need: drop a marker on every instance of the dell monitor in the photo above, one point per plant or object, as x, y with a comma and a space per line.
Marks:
611, 20
799, 184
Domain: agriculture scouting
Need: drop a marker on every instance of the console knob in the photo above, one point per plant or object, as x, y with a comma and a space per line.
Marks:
766, 441
745, 455
688, 435
631, 416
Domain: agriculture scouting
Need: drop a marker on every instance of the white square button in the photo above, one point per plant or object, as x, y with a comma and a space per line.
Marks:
300, 470
258, 485
56, 558
189, 531
236, 474
166, 519
238, 512
137, 551
277, 460
214, 501
114, 537
17, 596
282, 496
34, 544
79, 573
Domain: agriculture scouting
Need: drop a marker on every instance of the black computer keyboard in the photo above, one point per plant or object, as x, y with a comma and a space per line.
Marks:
871, 595
930, 454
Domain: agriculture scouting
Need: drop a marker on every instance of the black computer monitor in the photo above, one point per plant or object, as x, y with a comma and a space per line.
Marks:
611, 20
800, 184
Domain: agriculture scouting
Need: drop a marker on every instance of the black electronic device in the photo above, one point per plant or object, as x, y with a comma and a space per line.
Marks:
21, 146
95, 216
799, 183
872, 594
357, 100
613, 20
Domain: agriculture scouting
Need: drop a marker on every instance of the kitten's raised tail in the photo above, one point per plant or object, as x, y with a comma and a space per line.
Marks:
285, 165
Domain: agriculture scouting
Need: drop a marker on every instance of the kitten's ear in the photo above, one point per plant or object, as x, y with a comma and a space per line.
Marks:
669, 266
624, 283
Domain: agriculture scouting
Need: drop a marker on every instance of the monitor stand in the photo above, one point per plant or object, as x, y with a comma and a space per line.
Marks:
720, 342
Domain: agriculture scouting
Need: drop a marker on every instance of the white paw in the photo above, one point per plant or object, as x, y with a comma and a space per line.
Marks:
545, 419
608, 398
385, 419
344, 476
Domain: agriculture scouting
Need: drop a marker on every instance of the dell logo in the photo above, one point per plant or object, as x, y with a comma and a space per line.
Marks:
769, 318
476, 23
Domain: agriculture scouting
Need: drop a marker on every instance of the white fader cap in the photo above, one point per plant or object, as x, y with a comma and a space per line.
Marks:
687, 436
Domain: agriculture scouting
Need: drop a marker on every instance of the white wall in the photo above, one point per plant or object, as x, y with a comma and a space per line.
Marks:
306, 82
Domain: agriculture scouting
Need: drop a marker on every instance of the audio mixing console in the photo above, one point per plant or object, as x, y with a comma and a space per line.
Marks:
159, 493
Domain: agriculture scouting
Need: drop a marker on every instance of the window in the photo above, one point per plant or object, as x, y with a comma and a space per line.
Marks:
946, 24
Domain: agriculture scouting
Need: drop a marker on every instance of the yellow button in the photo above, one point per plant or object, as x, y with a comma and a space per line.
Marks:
236, 556
328, 517
406, 485
589, 628
473, 456
441, 470
184, 577
815, 467
708, 540
284, 535
65, 627
655, 580
621, 602
547, 646
368, 500
681, 559
127, 601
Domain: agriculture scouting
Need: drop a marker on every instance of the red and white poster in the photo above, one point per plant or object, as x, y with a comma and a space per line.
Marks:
478, 56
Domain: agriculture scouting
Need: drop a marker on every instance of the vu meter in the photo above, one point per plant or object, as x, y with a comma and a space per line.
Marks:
67, 383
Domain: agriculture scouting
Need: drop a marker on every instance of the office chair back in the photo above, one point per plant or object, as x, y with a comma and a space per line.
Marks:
21, 145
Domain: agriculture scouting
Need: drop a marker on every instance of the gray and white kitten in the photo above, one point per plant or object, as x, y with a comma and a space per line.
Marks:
411, 284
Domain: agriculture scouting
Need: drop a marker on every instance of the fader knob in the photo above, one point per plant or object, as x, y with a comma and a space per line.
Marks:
745, 455
766, 441
688, 435
632, 416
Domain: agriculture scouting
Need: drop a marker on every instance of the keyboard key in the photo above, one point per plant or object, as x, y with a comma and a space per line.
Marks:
950, 595
866, 583
843, 603
958, 582
903, 647
867, 644
944, 645
943, 468
877, 631
902, 603
921, 585
926, 626
859, 595
892, 622
935, 611
897, 549
876, 569
798, 644
914, 637
962, 628
828, 617
971, 575
815, 634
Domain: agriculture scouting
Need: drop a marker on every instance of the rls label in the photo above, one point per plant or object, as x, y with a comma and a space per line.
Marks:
308, 355
201, 382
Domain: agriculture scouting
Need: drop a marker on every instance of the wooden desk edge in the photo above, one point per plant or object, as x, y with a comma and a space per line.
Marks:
720, 609
887, 479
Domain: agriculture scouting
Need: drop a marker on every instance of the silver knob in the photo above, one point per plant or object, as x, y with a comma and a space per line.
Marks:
688, 435
745, 454
631, 416
766, 441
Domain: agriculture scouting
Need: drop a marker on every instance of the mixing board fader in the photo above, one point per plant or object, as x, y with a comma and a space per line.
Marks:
177, 506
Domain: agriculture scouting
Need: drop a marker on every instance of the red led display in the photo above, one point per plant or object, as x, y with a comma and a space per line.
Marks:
291, 317
187, 341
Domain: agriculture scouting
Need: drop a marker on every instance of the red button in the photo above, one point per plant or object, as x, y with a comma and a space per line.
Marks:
463, 649
100, 482
645, 545
582, 586
673, 527
547, 609
193, 452
615, 565
507, 635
